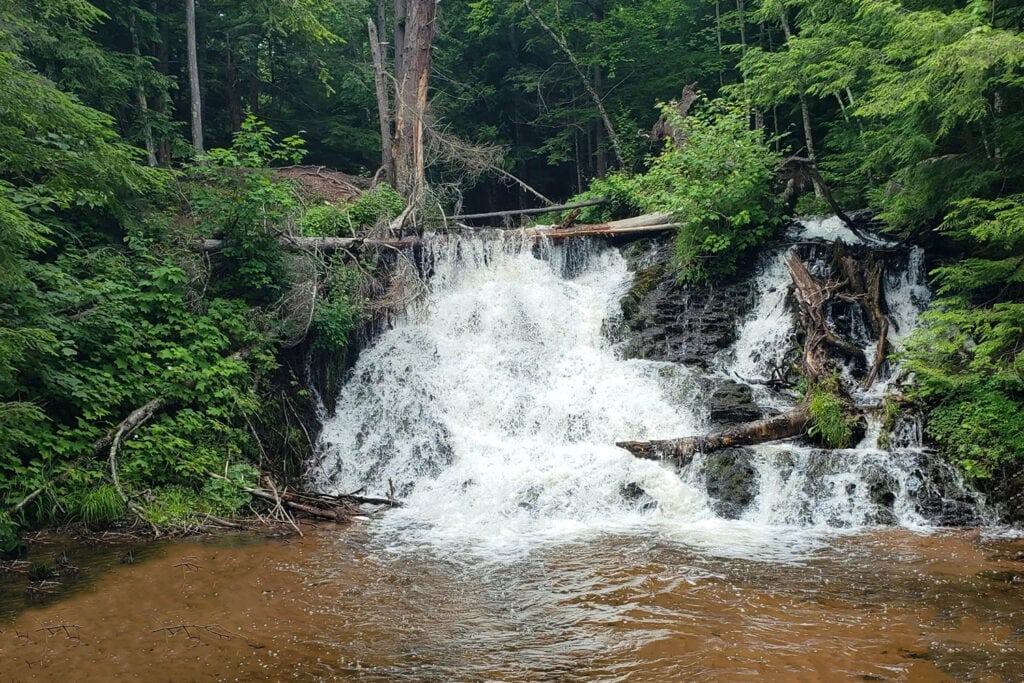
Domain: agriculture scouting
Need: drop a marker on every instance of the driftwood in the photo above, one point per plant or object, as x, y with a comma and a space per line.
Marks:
681, 451
321, 506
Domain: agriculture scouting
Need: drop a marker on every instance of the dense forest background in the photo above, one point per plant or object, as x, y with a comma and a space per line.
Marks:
112, 326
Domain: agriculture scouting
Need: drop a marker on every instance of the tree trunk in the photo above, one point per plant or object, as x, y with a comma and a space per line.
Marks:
681, 451
412, 63
805, 111
377, 52
231, 87
140, 98
163, 58
193, 77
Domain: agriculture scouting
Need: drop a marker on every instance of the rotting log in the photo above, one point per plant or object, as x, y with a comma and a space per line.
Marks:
681, 451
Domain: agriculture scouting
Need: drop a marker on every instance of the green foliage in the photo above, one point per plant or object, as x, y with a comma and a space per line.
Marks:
99, 507
372, 207
336, 318
236, 197
174, 508
715, 180
325, 220
830, 422
228, 497
11, 544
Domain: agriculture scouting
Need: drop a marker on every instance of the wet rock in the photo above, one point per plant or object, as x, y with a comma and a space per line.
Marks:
882, 487
634, 493
731, 481
663, 319
939, 495
733, 403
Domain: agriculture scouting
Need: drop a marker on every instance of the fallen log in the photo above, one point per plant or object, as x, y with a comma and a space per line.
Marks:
320, 243
650, 222
529, 212
681, 451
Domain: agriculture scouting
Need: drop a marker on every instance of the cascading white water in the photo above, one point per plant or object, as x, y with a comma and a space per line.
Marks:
492, 411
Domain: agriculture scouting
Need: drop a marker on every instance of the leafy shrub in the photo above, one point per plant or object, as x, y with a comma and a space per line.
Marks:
174, 507
229, 497
715, 180
325, 220
373, 206
10, 538
968, 353
337, 316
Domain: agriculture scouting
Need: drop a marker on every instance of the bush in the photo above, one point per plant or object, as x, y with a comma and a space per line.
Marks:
325, 220
337, 316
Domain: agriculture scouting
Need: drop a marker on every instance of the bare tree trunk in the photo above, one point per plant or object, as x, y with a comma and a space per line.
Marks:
140, 97
193, 77
412, 57
162, 54
805, 111
587, 84
401, 14
377, 49
718, 34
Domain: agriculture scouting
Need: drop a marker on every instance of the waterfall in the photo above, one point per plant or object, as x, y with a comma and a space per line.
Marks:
492, 410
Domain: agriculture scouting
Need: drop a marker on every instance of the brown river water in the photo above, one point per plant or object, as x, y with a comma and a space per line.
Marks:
337, 604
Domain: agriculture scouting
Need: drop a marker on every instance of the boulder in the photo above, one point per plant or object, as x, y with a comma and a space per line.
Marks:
733, 403
730, 480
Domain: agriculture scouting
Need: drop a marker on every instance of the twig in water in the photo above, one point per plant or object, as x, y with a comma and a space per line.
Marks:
65, 628
192, 631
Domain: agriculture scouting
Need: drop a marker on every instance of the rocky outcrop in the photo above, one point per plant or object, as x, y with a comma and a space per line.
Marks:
666, 320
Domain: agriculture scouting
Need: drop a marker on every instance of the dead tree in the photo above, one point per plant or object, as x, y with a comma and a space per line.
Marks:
588, 84
664, 129
378, 53
414, 29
